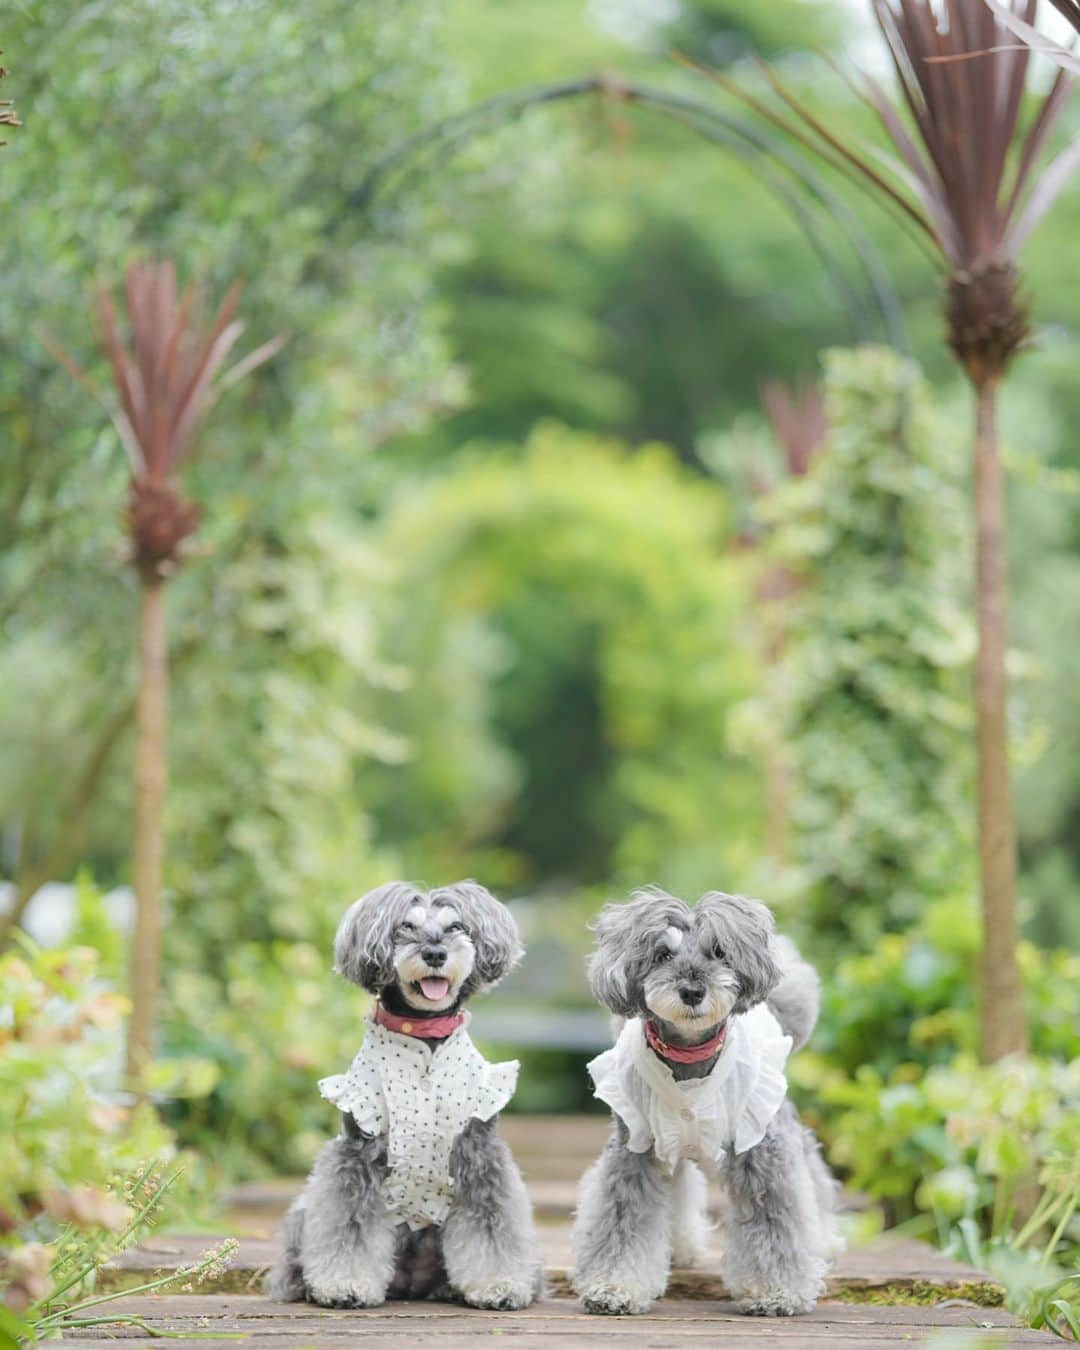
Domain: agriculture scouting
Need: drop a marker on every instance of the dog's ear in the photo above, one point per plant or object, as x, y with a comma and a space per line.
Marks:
609, 978
491, 926
626, 938
743, 930
364, 944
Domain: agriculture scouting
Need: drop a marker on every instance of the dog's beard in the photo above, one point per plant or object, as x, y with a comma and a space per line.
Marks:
428, 989
661, 997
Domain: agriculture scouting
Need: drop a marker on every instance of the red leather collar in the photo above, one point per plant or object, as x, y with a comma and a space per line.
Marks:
425, 1028
685, 1054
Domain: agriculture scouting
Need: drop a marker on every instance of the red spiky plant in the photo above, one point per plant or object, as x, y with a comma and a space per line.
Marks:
965, 174
796, 417
168, 370
1038, 42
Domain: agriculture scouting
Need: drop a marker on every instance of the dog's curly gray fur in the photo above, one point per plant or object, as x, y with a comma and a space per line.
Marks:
690, 969
341, 1247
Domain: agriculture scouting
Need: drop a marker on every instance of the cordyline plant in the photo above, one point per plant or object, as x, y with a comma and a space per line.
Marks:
1017, 24
168, 372
965, 174
796, 417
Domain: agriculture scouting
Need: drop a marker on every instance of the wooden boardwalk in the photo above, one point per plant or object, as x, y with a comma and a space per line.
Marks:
555, 1322
880, 1294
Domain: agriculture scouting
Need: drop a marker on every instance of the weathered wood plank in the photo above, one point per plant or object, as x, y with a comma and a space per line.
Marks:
554, 1321
908, 1269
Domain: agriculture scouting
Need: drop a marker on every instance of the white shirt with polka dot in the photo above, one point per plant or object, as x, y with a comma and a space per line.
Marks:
420, 1099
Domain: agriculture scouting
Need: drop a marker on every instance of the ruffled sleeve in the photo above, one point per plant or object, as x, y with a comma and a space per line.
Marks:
610, 1083
359, 1092
495, 1089
770, 1049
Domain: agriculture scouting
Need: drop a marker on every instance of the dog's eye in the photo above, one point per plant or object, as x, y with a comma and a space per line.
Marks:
406, 927
454, 928
663, 954
719, 954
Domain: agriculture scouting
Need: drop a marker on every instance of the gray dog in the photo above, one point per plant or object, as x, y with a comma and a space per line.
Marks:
714, 1001
417, 1197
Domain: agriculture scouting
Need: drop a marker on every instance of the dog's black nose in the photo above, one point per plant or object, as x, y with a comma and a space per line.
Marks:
434, 956
691, 994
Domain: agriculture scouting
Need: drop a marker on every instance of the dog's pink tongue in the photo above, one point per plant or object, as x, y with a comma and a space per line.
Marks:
435, 987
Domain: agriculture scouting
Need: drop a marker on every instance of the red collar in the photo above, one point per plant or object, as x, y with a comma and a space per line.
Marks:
425, 1028
685, 1054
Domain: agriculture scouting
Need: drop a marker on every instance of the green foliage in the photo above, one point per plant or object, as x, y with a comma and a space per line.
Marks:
58, 1127
65, 1141
571, 630
272, 658
641, 303
982, 1158
67, 1271
987, 1152
271, 842
1058, 1309
870, 690
274, 1019
459, 655
286, 110
599, 342
264, 812
910, 1003
1044, 575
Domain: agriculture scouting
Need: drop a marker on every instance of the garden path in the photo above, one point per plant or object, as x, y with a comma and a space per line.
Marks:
881, 1293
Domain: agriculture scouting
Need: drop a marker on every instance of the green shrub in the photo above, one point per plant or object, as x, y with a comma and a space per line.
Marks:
274, 1022
985, 1158
910, 1003
269, 843
67, 1141
870, 694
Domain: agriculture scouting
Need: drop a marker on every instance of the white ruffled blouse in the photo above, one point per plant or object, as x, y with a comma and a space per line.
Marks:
420, 1100
698, 1118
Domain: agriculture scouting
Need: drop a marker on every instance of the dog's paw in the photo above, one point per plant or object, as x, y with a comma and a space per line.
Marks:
346, 1294
613, 1300
500, 1295
775, 1303
284, 1283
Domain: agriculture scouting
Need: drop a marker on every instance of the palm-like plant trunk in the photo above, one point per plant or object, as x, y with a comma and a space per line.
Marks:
150, 777
168, 372
966, 177
1003, 1025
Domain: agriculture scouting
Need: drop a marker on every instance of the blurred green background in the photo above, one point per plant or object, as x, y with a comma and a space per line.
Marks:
481, 588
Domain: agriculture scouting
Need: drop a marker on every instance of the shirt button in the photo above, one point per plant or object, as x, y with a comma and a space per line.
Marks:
686, 1113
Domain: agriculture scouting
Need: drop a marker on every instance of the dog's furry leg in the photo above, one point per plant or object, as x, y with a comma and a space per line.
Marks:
772, 1261
489, 1242
621, 1240
347, 1240
285, 1282
690, 1225
827, 1190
